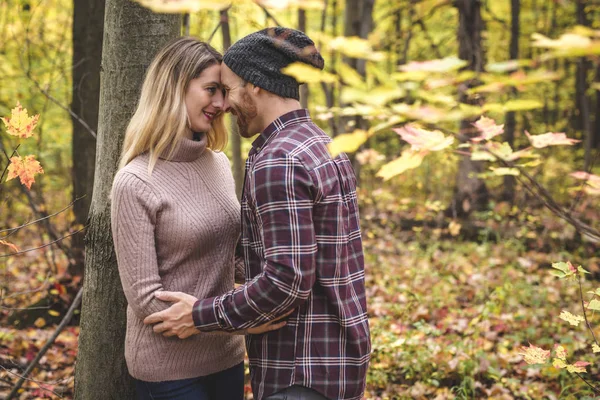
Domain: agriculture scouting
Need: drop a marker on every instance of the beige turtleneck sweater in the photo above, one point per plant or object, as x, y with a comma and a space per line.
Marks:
176, 230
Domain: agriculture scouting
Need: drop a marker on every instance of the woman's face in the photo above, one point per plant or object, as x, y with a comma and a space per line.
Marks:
204, 99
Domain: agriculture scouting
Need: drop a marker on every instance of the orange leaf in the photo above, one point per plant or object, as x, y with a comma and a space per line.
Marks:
12, 246
25, 168
20, 123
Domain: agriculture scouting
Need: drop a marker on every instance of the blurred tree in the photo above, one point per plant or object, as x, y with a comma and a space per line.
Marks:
88, 29
133, 35
470, 192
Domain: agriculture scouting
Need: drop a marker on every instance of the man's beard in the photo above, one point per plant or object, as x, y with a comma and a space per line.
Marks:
245, 112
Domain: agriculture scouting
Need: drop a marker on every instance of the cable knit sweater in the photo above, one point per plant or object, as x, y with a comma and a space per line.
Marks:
176, 230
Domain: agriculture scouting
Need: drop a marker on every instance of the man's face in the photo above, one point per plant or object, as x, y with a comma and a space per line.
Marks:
240, 103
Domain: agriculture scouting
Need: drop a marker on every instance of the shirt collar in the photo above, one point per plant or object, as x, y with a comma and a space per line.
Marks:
286, 120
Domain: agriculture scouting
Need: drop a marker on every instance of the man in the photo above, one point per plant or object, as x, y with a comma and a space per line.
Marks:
300, 238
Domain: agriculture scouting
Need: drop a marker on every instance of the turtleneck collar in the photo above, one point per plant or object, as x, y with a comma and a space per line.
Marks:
187, 149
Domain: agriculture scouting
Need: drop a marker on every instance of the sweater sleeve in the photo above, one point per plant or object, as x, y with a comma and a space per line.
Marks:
240, 268
133, 218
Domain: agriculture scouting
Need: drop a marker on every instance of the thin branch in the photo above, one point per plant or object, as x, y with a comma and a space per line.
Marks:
584, 313
15, 229
214, 32
594, 388
66, 319
269, 15
41, 247
41, 385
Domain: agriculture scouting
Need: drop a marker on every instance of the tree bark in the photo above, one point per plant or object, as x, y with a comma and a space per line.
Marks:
236, 140
470, 192
132, 37
511, 122
88, 28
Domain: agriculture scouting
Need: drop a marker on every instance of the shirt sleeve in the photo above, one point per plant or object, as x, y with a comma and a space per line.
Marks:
133, 218
282, 191
240, 268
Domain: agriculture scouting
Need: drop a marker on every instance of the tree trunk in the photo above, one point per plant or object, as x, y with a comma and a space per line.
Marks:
132, 36
304, 87
511, 122
583, 121
88, 28
597, 113
470, 192
236, 140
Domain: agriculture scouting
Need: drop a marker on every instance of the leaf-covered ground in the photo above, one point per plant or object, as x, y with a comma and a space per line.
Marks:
448, 316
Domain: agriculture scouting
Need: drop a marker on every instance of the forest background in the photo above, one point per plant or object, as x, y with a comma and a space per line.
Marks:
474, 128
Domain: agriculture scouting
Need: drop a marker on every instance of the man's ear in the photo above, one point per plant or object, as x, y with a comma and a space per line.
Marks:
256, 90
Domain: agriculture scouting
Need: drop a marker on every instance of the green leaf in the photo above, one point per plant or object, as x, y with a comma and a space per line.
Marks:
408, 160
594, 305
582, 270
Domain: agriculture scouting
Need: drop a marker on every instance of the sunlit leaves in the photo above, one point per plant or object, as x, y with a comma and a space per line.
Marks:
442, 65
348, 142
408, 160
505, 66
550, 139
378, 96
184, 6
578, 43
572, 319
423, 139
503, 171
355, 47
19, 123
594, 305
595, 348
25, 168
308, 74
534, 354
578, 367
513, 105
285, 4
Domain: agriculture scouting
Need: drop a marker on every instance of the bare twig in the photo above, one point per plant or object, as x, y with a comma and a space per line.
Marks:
214, 32
41, 247
66, 319
41, 385
269, 15
17, 228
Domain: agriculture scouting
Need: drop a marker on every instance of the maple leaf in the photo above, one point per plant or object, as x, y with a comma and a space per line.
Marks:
19, 123
595, 348
534, 354
422, 139
488, 129
24, 168
12, 246
579, 367
561, 353
558, 363
570, 318
550, 139
592, 181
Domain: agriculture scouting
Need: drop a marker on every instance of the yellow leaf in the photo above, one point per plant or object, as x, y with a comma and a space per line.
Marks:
578, 367
350, 76
24, 168
184, 6
40, 322
19, 123
54, 313
534, 354
408, 160
454, 228
347, 142
568, 40
442, 65
595, 348
570, 318
308, 74
285, 4
503, 171
558, 363
10, 245
561, 353
355, 47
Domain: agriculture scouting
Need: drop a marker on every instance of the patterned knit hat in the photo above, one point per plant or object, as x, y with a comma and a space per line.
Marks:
259, 57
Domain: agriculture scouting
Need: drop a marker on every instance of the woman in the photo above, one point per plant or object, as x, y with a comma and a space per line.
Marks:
175, 223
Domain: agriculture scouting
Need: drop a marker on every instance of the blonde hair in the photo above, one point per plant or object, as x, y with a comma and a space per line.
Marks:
161, 118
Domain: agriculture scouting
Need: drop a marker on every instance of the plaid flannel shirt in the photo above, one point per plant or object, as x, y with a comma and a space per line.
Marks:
302, 249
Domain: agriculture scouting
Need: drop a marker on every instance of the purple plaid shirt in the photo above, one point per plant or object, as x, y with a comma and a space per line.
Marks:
302, 249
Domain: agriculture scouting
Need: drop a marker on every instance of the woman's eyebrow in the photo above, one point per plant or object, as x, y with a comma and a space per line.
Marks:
212, 83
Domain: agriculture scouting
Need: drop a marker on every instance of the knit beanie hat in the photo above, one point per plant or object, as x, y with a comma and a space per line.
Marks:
259, 57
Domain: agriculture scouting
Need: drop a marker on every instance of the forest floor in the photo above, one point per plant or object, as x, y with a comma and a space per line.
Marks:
448, 316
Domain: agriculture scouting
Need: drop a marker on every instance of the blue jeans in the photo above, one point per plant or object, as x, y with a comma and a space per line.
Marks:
228, 384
